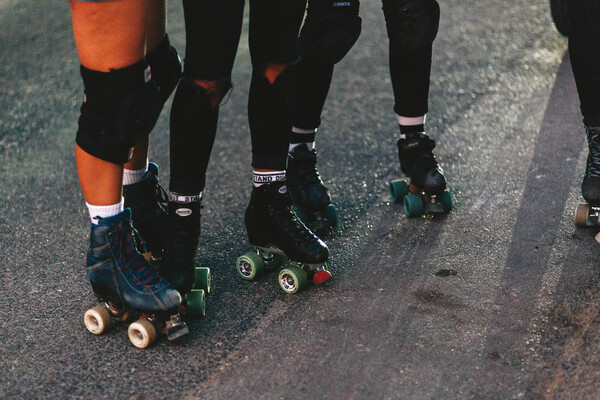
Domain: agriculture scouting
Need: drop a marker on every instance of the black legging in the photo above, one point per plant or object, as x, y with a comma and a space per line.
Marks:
409, 70
213, 30
584, 50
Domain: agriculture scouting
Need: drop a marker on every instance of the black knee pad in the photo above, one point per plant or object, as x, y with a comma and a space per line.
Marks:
412, 24
120, 108
330, 30
166, 67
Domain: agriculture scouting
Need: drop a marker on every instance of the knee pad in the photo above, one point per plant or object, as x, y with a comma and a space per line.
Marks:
330, 30
412, 24
166, 67
119, 109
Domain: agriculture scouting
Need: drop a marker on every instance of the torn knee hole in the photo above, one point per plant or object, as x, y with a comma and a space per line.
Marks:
272, 71
216, 89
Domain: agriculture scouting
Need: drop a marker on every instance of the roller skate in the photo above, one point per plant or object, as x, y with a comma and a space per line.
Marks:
178, 265
276, 232
588, 212
426, 192
148, 203
125, 284
312, 202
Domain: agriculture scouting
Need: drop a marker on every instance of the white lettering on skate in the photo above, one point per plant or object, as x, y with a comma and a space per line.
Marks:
183, 212
185, 199
341, 4
268, 177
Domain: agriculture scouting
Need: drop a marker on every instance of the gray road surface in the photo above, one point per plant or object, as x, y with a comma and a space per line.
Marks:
498, 300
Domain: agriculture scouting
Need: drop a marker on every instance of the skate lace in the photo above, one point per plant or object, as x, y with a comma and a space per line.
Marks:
593, 160
130, 257
162, 199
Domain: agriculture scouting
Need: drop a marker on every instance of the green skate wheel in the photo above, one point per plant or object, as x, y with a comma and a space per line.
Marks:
581, 214
292, 279
195, 306
398, 189
446, 200
250, 266
202, 279
330, 214
413, 205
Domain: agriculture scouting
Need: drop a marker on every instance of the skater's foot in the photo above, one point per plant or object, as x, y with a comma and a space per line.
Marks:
120, 274
270, 222
415, 151
304, 181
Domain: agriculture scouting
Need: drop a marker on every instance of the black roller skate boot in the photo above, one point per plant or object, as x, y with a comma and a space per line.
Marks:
426, 192
178, 265
275, 231
311, 198
148, 203
588, 213
124, 281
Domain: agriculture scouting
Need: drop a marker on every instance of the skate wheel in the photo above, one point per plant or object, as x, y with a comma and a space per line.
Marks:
582, 213
202, 279
195, 305
330, 214
398, 189
292, 279
250, 266
97, 319
446, 200
142, 333
413, 205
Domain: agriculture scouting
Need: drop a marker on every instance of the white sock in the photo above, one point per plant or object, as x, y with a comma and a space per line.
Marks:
97, 212
261, 178
131, 176
310, 145
408, 121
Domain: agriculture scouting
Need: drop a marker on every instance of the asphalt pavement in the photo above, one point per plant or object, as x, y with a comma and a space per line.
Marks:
496, 300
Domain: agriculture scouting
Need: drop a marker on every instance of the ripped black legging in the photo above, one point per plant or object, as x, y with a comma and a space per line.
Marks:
213, 30
584, 50
409, 71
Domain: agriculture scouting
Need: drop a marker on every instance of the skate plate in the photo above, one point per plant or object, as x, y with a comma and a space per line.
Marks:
417, 202
143, 332
320, 222
294, 277
587, 215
